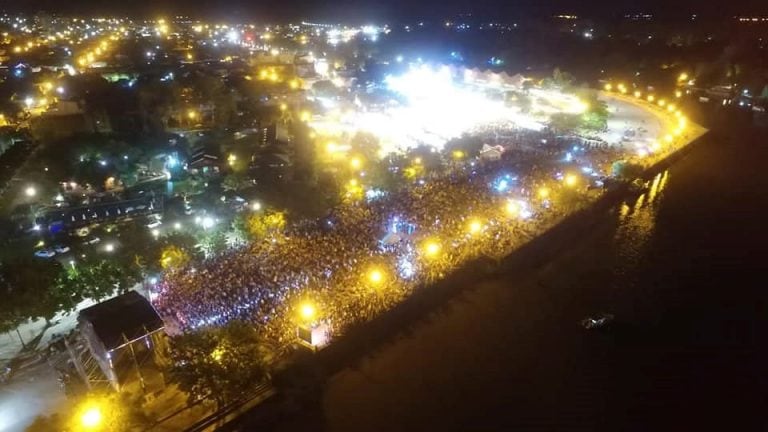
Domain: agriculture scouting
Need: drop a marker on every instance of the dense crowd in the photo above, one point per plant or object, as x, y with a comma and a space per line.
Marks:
367, 255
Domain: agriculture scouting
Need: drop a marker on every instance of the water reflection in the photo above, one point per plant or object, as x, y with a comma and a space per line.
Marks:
636, 225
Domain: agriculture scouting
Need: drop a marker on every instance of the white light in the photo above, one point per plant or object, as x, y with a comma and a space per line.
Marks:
109, 247
256, 206
30, 191
177, 226
60, 90
207, 222
233, 36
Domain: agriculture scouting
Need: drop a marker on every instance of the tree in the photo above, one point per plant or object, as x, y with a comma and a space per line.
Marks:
27, 289
173, 257
93, 279
562, 123
562, 79
595, 118
211, 242
305, 154
235, 182
259, 225
220, 364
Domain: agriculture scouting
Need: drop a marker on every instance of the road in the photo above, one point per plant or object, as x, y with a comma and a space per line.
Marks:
682, 273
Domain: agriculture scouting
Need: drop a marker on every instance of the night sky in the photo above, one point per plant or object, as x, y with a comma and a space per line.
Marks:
346, 10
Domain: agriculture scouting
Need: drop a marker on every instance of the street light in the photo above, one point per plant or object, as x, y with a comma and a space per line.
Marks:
91, 417
30, 191
475, 226
376, 276
570, 180
431, 248
543, 192
109, 247
307, 311
355, 163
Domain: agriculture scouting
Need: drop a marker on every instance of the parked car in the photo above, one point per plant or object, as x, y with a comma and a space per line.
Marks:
61, 249
91, 240
597, 321
45, 253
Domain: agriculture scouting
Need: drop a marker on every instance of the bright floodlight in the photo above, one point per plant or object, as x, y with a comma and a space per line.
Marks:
307, 311
233, 36
432, 248
475, 226
376, 276
91, 418
207, 222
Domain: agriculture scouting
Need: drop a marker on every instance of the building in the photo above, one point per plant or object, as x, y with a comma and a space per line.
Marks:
126, 337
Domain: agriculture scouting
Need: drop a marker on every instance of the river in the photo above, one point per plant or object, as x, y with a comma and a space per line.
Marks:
682, 268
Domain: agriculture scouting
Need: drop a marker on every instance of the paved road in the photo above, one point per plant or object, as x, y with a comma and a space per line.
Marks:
681, 272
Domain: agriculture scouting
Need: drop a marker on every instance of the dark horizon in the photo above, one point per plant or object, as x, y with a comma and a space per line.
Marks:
398, 10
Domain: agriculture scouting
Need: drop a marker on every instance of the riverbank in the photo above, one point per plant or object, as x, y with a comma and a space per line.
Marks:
303, 383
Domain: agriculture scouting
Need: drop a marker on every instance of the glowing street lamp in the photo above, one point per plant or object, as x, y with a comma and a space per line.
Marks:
458, 154
638, 94
355, 163
307, 311
543, 193
30, 191
650, 98
608, 87
432, 248
375, 276
514, 208
570, 180
683, 77
217, 354
91, 417
475, 226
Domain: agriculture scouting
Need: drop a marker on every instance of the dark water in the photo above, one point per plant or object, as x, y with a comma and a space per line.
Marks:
683, 270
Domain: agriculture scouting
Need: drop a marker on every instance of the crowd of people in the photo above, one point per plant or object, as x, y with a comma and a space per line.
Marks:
343, 265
